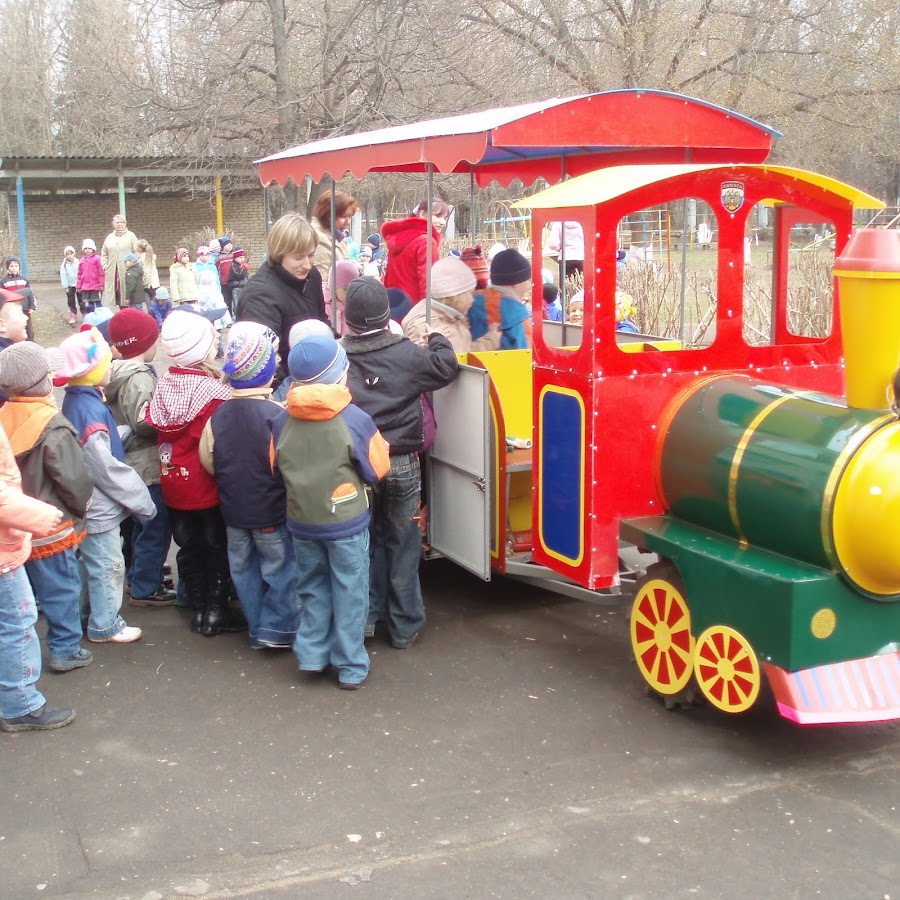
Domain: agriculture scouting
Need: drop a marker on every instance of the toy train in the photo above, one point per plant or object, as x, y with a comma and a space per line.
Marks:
772, 502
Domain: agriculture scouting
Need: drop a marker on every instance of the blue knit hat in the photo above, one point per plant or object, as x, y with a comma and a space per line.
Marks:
98, 319
249, 356
317, 359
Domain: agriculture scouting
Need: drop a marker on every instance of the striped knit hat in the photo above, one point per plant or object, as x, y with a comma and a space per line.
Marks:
249, 356
187, 337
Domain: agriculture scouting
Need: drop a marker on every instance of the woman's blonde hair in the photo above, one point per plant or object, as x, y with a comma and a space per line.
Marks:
144, 247
290, 234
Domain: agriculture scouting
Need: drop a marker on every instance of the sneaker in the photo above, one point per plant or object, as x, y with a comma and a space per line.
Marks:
404, 645
160, 597
42, 719
351, 685
66, 663
128, 634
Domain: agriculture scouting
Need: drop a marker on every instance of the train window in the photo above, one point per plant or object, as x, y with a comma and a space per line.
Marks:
798, 281
666, 274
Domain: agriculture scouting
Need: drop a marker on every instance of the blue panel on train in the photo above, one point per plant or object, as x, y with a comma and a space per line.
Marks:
562, 474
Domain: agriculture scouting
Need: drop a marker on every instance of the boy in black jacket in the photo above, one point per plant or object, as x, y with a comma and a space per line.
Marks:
388, 375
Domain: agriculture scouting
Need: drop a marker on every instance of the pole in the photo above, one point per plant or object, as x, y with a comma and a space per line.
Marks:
122, 196
429, 258
683, 269
333, 272
20, 204
220, 218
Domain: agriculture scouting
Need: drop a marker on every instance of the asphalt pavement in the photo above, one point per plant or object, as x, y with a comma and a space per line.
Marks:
511, 752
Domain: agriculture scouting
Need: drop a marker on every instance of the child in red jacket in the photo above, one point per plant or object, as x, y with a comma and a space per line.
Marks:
91, 277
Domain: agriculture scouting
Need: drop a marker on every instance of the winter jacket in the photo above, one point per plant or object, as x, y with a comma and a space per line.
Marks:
327, 450
407, 265
118, 489
209, 291
19, 284
223, 266
183, 403
451, 323
134, 285
236, 448
90, 273
151, 273
572, 240
68, 273
388, 375
112, 253
323, 257
183, 283
492, 305
52, 465
20, 516
129, 392
276, 299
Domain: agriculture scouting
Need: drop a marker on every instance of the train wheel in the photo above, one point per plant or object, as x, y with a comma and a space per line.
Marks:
661, 630
727, 669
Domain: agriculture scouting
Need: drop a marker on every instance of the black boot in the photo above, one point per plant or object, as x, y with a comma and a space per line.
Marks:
219, 615
195, 589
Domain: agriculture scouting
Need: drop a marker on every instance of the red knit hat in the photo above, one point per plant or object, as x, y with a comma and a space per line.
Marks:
132, 332
473, 257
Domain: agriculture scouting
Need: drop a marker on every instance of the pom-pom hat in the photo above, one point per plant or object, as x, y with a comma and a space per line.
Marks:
306, 328
132, 332
162, 293
451, 277
509, 267
88, 244
317, 359
85, 359
473, 257
187, 337
249, 355
25, 370
366, 307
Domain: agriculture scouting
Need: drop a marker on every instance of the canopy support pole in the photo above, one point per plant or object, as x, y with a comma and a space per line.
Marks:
333, 272
122, 196
429, 258
473, 234
684, 240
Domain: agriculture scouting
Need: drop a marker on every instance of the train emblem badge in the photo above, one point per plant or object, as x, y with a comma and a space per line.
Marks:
732, 195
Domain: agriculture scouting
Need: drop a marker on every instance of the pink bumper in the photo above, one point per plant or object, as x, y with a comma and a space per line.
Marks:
861, 690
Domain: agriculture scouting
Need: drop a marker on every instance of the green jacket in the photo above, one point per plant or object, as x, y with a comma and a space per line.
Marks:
131, 386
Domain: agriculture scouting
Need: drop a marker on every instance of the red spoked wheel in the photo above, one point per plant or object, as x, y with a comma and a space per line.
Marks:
661, 631
727, 669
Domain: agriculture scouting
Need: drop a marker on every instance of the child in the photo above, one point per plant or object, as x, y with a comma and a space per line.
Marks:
22, 706
302, 329
15, 281
236, 275
235, 448
91, 277
552, 309
183, 279
388, 376
328, 450
13, 324
505, 302
53, 470
473, 257
118, 490
186, 396
68, 277
131, 385
147, 259
134, 281
346, 271
160, 305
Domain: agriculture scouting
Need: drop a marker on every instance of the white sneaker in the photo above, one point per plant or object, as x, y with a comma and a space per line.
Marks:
128, 634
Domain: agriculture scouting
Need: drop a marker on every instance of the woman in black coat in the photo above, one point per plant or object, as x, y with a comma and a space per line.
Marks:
287, 287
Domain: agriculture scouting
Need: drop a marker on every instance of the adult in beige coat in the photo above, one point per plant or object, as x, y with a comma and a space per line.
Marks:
326, 247
119, 242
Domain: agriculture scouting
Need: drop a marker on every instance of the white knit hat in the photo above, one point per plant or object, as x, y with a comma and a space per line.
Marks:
305, 328
88, 244
450, 276
186, 337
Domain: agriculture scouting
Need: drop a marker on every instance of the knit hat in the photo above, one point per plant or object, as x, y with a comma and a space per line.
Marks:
450, 277
473, 257
212, 244
10, 259
509, 267
132, 332
179, 252
162, 293
85, 359
186, 337
98, 319
249, 356
25, 370
7, 296
400, 303
203, 248
306, 328
238, 253
345, 273
68, 249
223, 240
88, 244
367, 307
495, 249
374, 240
365, 252
129, 257
551, 292
317, 359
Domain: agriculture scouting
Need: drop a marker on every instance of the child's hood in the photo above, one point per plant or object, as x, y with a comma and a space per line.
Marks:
317, 402
119, 372
181, 396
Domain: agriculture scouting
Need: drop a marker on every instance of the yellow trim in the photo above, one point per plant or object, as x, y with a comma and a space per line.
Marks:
553, 389
844, 273
735, 470
834, 477
616, 181
500, 447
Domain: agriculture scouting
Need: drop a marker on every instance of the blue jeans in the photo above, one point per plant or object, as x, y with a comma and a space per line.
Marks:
57, 585
102, 569
150, 547
333, 589
264, 573
395, 550
20, 649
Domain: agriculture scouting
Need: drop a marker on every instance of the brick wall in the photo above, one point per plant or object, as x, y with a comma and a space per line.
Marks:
51, 223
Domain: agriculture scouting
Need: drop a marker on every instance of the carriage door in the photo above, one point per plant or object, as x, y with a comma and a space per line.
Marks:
458, 489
